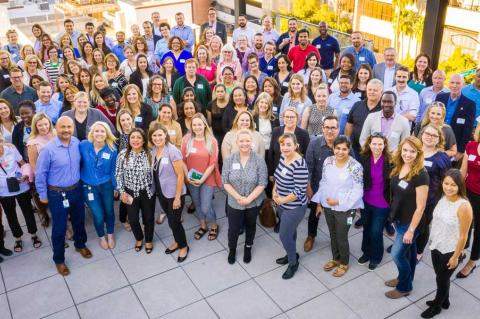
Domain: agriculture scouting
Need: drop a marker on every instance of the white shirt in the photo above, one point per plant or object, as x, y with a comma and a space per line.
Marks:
265, 129
388, 77
407, 101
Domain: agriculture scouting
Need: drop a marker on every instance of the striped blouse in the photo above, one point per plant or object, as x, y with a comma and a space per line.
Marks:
53, 70
292, 179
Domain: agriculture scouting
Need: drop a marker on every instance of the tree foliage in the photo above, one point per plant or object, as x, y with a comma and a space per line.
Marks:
457, 63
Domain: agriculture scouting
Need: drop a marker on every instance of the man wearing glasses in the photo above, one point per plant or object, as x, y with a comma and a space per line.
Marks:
217, 27
18, 91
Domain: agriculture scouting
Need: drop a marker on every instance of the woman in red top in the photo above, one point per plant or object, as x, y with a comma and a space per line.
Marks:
471, 170
200, 157
205, 65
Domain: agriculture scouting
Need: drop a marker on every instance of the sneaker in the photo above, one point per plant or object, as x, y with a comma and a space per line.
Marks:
363, 260
372, 266
358, 224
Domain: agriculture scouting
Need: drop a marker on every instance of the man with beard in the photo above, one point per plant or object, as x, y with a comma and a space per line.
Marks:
328, 47
217, 26
257, 48
408, 102
298, 54
289, 38
243, 29
362, 55
342, 100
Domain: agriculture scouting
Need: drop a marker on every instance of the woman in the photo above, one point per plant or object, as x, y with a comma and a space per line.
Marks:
99, 42
312, 118
243, 121
436, 163
238, 103
52, 65
37, 32
200, 157
295, 97
229, 58
264, 119
242, 46
284, 73
168, 178
81, 40
206, 37
452, 218
216, 109
409, 188
14, 188
471, 172
134, 179
85, 81
421, 77
46, 44
186, 111
165, 117
362, 76
73, 69
35, 81
141, 47
25, 51
116, 80
70, 93
84, 116
314, 81
33, 66
271, 87
69, 55
169, 73
289, 193
376, 163
157, 95
98, 83
87, 54
215, 49
97, 173
435, 115
311, 63
228, 79
22, 129
177, 53
129, 65
66, 42
347, 63
98, 65
141, 76
250, 85
339, 195
63, 81
244, 177
133, 102
205, 65
8, 120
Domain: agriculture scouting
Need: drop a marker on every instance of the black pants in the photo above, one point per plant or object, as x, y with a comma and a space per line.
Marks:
174, 217
313, 220
475, 202
443, 275
239, 218
122, 212
9, 206
424, 231
145, 205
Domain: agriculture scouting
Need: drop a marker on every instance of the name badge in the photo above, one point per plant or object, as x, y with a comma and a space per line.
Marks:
472, 157
114, 84
182, 60
428, 163
106, 156
460, 121
193, 150
66, 204
6, 76
319, 46
285, 84
269, 67
164, 160
349, 220
199, 86
138, 119
172, 132
478, 119
358, 94
395, 135
428, 101
208, 68
235, 166
90, 196
275, 109
330, 81
403, 184
346, 111
361, 58
284, 171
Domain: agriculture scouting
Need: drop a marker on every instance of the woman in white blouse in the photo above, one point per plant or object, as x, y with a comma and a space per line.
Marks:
339, 195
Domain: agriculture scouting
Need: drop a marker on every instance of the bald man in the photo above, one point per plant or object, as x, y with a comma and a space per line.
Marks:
57, 179
428, 94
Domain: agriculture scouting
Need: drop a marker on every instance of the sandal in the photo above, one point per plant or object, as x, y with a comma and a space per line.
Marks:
330, 265
200, 232
138, 247
213, 234
18, 246
148, 247
36, 242
340, 271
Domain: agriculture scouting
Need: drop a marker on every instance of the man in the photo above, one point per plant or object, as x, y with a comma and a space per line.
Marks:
269, 34
111, 104
254, 69
149, 37
428, 94
18, 91
460, 113
393, 126
257, 48
328, 47
362, 55
342, 101
135, 29
385, 71
472, 91
298, 54
45, 103
359, 112
217, 26
242, 29
12, 46
68, 27
156, 23
289, 38
90, 31
200, 85
57, 179
408, 102
162, 45
268, 63
117, 49
5, 66
183, 31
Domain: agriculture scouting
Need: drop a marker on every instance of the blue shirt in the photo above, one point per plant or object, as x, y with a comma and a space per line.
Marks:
14, 51
57, 165
180, 63
473, 94
327, 49
52, 109
268, 67
117, 49
97, 168
427, 96
342, 105
451, 108
185, 33
161, 48
364, 56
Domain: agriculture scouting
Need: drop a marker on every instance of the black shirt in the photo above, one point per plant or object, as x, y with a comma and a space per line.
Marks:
404, 197
357, 116
217, 119
81, 129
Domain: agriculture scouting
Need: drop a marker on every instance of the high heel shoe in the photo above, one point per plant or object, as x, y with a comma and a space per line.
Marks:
138, 247
149, 248
461, 275
182, 259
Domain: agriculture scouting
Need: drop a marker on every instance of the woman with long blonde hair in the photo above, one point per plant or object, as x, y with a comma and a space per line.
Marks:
133, 102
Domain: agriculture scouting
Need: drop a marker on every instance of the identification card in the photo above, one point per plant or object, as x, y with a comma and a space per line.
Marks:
428, 101
284, 171
319, 46
193, 150
106, 156
138, 119
200, 86
270, 67
208, 68
285, 84
395, 135
182, 60
460, 121
114, 84
361, 58
428, 163
349, 220
66, 204
403, 184
90, 196
472, 157
164, 160
235, 166
172, 132
275, 109
346, 111
330, 81
6, 76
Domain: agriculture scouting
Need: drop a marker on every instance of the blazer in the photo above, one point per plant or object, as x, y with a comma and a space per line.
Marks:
155, 39
379, 71
17, 138
220, 30
136, 78
463, 119
400, 129
93, 115
274, 123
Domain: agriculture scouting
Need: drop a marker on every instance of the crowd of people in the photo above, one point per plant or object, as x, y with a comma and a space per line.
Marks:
275, 120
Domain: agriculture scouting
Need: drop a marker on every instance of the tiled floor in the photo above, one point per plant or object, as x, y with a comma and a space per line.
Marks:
125, 284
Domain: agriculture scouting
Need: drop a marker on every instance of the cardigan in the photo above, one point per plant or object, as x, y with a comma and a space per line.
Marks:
93, 115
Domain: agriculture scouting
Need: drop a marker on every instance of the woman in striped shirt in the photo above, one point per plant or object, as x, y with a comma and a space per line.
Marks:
289, 193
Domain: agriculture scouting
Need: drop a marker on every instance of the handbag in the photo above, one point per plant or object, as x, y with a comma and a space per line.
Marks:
267, 213
13, 185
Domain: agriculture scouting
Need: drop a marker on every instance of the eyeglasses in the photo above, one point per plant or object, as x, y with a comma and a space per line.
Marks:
32, 62
289, 117
330, 128
430, 135
156, 84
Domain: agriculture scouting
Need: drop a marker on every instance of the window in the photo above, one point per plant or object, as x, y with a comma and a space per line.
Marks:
378, 10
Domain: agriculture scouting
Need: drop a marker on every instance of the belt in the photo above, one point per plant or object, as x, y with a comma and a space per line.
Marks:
62, 189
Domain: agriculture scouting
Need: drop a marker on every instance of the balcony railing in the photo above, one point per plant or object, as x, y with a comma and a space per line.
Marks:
472, 5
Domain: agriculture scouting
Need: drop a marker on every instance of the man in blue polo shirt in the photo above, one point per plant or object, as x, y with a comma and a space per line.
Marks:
362, 55
328, 47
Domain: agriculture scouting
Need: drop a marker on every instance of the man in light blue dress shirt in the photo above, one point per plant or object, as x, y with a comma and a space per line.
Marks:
362, 55
342, 101
183, 31
46, 104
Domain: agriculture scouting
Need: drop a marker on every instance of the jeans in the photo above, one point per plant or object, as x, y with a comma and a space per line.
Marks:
60, 214
174, 217
405, 257
475, 202
291, 218
443, 275
144, 204
424, 232
338, 226
101, 206
202, 197
241, 218
372, 242
25, 201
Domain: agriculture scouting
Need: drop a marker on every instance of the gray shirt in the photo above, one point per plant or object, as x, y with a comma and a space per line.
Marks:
245, 179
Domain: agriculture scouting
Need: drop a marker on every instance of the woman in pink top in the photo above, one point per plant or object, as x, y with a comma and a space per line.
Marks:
200, 157
42, 133
205, 65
